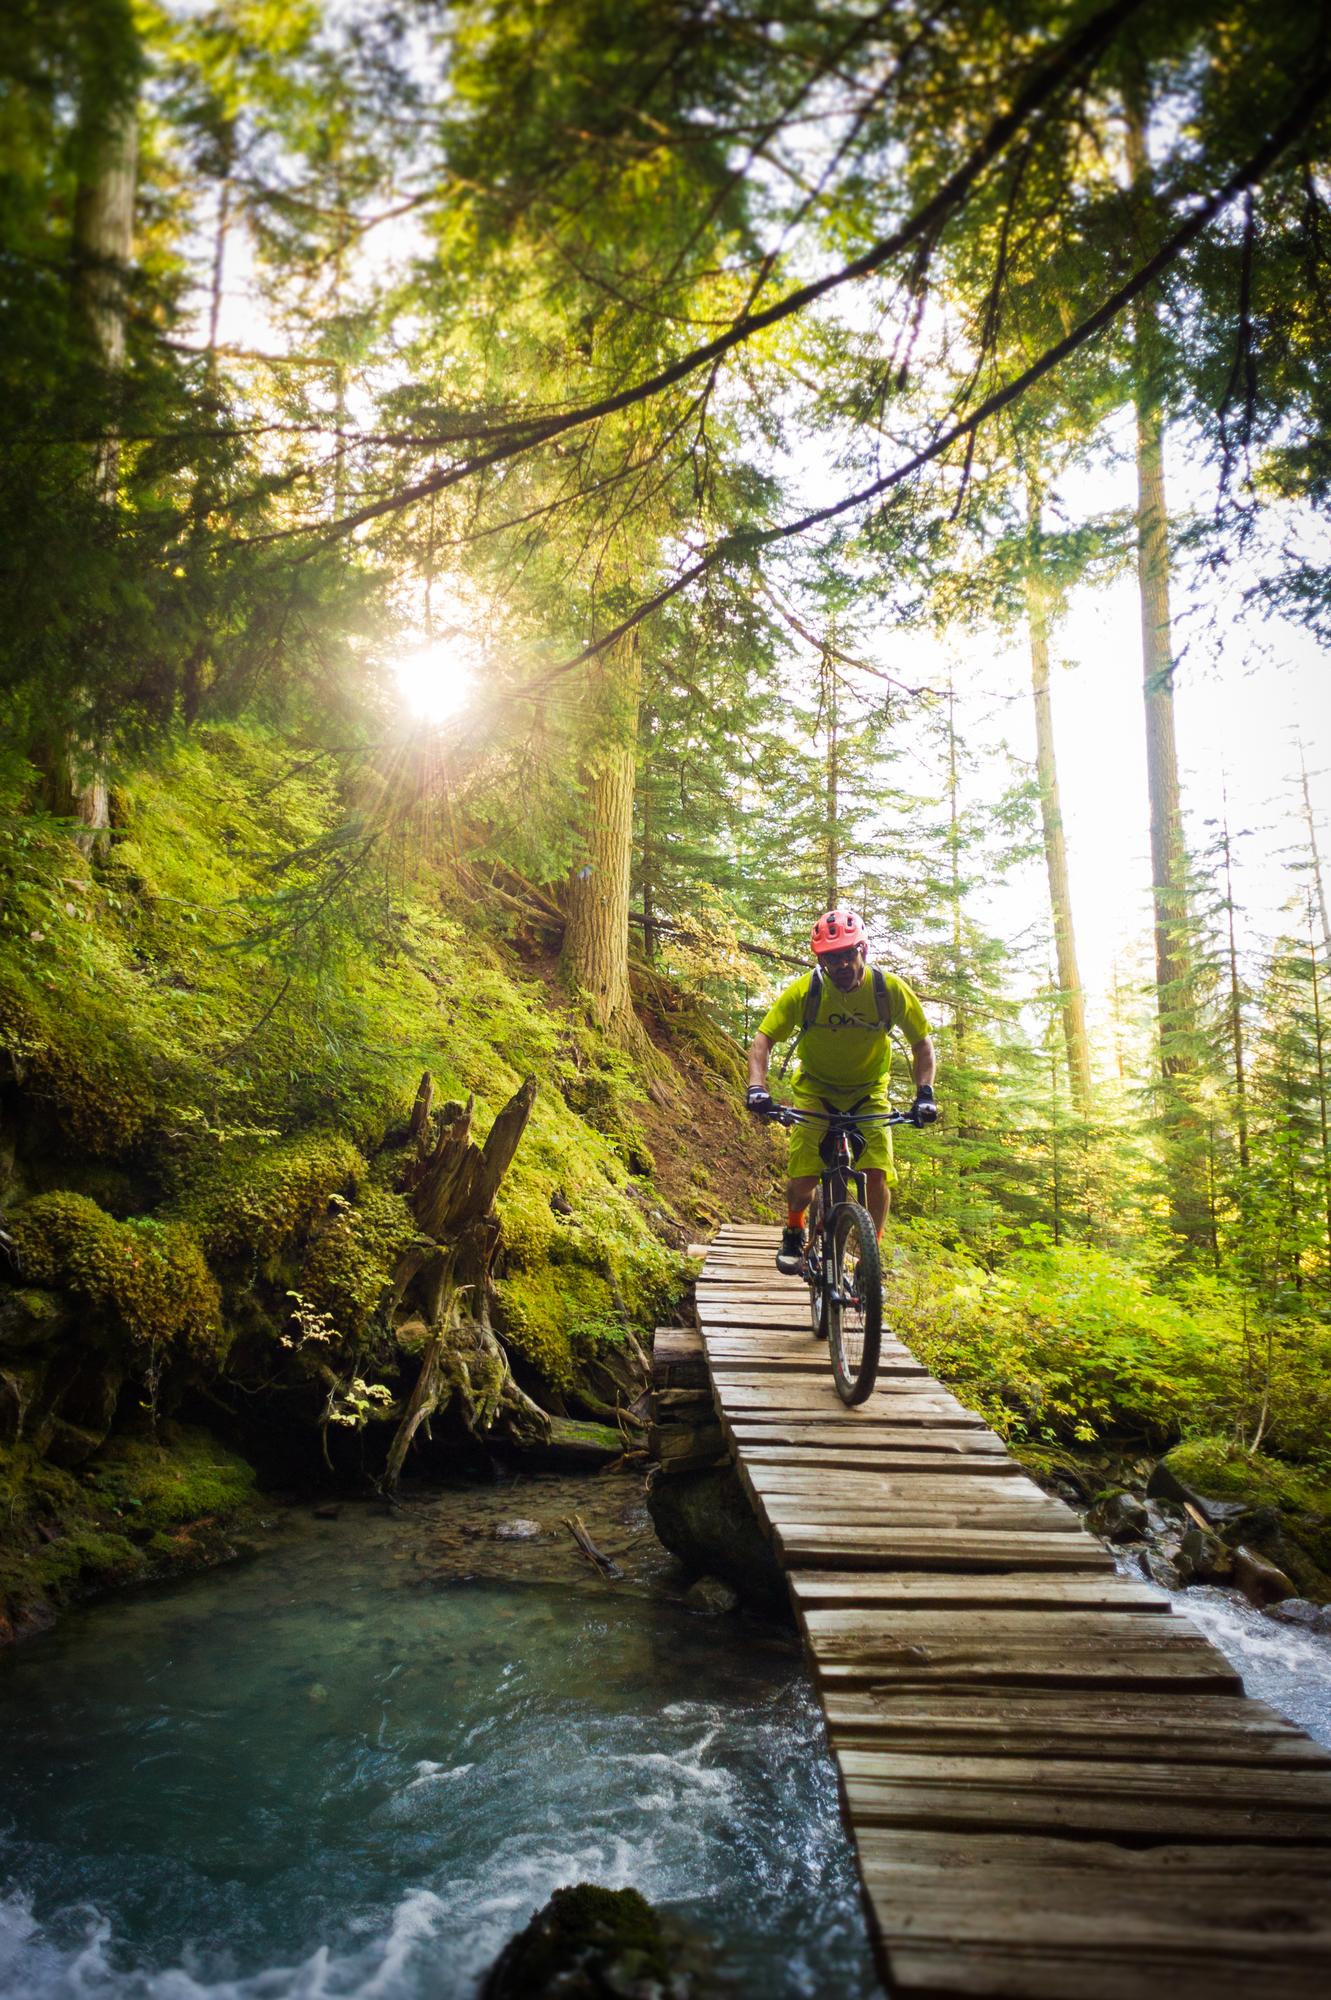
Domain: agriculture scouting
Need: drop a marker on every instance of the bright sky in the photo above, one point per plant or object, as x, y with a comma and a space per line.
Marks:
1244, 697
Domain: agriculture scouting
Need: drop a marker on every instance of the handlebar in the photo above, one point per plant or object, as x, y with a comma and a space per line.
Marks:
791, 1114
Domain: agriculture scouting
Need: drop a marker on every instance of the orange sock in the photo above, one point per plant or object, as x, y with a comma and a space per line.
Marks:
795, 1218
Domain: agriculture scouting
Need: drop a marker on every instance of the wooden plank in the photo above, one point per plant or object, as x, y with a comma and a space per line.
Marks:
869, 1546
1008, 1662
820, 1399
868, 1484
749, 1367
989, 1517
928, 1463
831, 1590
1086, 1797
1040, 1722
873, 1435
962, 1913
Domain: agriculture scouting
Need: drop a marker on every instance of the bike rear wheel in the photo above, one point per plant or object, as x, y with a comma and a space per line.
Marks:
854, 1302
817, 1254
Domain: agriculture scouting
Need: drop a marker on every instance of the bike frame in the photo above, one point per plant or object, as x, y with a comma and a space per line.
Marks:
839, 1175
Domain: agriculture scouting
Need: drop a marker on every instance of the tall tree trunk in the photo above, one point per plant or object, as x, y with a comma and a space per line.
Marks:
103, 245
1169, 870
1314, 852
1320, 1046
596, 904
1071, 999
1176, 1011
832, 802
1235, 1009
647, 866
954, 870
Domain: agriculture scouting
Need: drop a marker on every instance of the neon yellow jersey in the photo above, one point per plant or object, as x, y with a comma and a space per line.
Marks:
846, 1048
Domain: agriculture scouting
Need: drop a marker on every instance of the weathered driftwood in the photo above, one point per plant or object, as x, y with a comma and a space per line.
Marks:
444, 1278
604, 1565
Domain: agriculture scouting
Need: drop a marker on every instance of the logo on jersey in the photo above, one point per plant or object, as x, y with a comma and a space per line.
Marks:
835, 1021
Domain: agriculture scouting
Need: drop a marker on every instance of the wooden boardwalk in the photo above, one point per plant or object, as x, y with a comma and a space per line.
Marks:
1055, 1785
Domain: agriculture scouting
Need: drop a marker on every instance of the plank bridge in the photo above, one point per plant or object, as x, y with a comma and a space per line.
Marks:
1055, 1786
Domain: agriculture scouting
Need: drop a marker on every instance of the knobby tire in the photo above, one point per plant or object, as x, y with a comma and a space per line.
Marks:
855, 1316
817, 1284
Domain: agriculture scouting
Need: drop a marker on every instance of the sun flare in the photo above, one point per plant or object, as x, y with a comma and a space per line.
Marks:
435, 681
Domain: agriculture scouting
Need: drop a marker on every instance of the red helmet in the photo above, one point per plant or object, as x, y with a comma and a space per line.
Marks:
839, 930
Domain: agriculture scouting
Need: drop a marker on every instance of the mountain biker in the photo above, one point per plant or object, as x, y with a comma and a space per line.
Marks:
844, 1060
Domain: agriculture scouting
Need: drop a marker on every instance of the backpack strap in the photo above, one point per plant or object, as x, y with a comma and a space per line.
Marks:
813, 1000
881, 1001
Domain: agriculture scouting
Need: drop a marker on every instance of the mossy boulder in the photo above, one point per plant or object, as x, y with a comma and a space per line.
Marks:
182, 1475
1286, 1513
139, 1507
352, 1255
249, 1200
147, 1278
31, 1318
591, 1943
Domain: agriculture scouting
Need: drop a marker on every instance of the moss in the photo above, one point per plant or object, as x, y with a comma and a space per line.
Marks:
183, 1475
588, 1939
149, 1277
547, 1308
350, 1261
250, 1200
80, 1061
1220, 1470
112, 1524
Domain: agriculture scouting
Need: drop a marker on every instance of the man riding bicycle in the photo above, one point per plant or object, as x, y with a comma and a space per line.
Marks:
845, 1011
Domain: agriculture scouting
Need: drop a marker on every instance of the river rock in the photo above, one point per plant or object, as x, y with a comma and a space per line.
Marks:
1296, 1611
1157, 1567
518, 1530
1202, 1557
1120, 1517
1259, 1580
712, 1597
1322, 1623
590, 1943
705, 1519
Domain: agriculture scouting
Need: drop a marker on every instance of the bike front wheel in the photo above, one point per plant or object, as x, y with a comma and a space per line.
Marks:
818, 1250
854, 1302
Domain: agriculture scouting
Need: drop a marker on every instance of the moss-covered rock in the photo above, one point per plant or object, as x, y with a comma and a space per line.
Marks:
149, 1278
31, 1318
1286, 1511
248, 1201
587, 1943
139, 1508
351, 1258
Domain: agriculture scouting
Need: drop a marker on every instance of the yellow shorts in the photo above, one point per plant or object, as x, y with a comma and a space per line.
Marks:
805, 1139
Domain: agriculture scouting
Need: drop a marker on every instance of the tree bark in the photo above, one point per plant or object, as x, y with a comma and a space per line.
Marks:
1314, 852
596, 928
1169, 868
103, 245
1071, 998
832, 847
1235, 1010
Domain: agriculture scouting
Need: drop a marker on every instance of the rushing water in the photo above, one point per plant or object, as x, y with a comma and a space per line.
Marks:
1281, 1664
356, 1765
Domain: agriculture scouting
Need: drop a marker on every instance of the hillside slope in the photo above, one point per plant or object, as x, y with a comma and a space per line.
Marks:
207, 1063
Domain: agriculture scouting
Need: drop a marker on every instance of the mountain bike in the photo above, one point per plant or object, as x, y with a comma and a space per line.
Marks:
842, 1267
